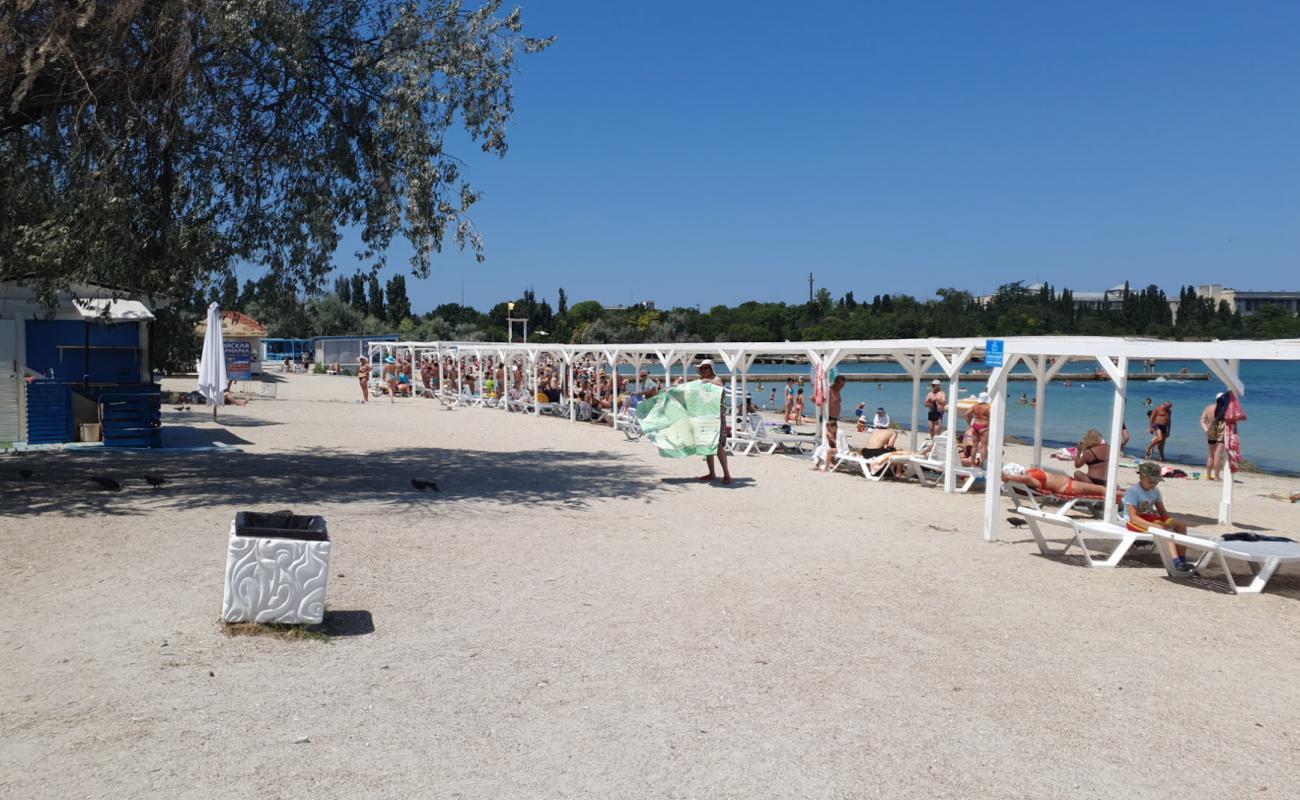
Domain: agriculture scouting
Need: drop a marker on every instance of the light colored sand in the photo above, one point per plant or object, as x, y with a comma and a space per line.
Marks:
568, 618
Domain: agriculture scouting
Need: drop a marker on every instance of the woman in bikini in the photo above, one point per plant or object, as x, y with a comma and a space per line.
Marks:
1091, 454
978, 417
363, 374
1041, 480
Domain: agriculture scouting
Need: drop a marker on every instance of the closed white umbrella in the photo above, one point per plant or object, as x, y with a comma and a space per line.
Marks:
212, 363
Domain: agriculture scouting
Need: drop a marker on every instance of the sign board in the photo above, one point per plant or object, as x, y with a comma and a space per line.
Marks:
239, 360
993, 350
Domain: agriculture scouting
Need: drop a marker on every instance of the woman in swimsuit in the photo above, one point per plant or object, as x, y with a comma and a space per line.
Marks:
390, 377
1093, 454
1041, 480
978, 417
363, 374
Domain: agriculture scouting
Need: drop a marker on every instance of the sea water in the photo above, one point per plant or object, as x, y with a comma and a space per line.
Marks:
1268, 441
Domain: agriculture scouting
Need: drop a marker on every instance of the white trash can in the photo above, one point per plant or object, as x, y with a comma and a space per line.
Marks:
277, 567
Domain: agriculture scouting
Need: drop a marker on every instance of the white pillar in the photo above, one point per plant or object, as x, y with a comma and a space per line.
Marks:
1118, 374
1039, 367
993, 467
613, 390
954, 441
916, 404
1225, 504
573, 399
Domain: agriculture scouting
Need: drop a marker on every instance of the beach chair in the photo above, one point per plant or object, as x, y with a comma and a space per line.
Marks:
929, 469
748, 437
882, 466
1263, 554
1080, 531
773, 441
845, 457
1022, 495
630, 424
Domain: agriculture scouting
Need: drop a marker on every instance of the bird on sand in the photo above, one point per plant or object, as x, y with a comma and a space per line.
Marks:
154, 480
424, 486
107, 483
1016, 522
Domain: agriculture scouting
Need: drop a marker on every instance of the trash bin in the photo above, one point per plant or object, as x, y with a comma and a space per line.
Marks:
277, 566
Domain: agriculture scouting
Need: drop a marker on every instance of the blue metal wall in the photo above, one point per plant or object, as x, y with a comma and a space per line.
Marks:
58, 345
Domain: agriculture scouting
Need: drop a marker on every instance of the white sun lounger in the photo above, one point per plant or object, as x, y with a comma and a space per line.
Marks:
1079, 532
936, 463
1263, 558
1022, 495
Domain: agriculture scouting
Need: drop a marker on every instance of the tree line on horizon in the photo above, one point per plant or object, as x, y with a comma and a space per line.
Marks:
362, 304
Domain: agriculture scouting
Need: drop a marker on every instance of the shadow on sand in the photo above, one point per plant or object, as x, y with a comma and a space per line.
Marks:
60, 483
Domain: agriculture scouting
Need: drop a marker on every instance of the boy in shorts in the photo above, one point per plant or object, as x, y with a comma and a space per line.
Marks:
1144, 507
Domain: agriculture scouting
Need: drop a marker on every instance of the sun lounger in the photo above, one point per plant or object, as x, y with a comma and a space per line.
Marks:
845, 457
1079, 532
630, 424
756, 435
1263, 557
1022, 495
929, 469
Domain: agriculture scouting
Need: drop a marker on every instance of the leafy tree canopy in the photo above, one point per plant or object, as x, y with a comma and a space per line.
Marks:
155, 143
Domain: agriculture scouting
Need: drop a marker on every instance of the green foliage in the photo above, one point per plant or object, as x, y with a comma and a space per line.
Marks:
399, 305
154, 144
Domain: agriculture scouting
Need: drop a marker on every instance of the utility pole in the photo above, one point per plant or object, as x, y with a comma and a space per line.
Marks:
810, 287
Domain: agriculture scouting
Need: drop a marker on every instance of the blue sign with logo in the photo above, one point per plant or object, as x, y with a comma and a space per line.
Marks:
993, 350
239, 360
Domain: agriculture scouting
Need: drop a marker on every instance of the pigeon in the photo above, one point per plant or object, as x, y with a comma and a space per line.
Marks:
424, 486
107, 483
1016, 522
154, 480
24, 473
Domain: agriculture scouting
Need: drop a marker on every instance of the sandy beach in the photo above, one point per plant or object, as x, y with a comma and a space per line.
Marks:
574, 616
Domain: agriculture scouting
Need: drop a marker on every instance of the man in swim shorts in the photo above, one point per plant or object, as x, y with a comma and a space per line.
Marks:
936, 403
1162, 417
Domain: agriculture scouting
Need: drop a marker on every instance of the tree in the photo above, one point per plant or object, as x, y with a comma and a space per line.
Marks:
358, 282
343, 289
562, 309
399, 305
154, 143
376, 305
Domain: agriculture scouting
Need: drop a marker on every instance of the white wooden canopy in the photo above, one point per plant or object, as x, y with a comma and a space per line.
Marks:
1042, 356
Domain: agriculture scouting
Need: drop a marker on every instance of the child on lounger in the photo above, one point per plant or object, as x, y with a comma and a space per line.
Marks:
1144, 506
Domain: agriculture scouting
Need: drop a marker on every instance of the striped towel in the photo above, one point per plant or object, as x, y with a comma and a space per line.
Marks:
684, 421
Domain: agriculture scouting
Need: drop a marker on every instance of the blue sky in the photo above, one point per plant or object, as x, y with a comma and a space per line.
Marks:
710, 152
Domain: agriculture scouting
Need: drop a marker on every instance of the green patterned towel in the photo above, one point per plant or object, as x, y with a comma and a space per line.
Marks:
684, 421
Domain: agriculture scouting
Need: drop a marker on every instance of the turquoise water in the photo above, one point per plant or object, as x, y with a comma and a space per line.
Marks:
1268, 439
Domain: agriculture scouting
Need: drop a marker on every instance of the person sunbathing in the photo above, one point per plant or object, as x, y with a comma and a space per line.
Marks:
1040, 480
879, 442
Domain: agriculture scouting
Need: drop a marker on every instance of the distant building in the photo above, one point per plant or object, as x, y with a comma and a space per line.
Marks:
248, 332
1248, 302
644, 305
1110, 298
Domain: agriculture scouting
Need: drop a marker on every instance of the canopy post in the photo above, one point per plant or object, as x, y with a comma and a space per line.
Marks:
993, 466
503, 395
1231, 371
1119, 375
537, 407
953, 370
613, 388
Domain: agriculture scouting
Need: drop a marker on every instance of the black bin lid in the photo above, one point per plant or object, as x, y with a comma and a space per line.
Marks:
281, 525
